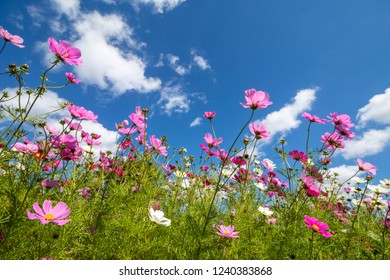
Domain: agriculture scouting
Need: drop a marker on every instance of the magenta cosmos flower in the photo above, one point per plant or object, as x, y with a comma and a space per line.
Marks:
227, 232
365, 166
65, 52
13, 39
47, 214
209, 115
256, 99
317, 226
81, 113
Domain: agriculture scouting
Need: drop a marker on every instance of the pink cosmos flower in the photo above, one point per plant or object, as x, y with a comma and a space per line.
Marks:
212, 142
157, 145
313, 118
49, 183
317, 226
365, 166
47, 214
259, 130
65, 52
309, 186
342, 120
71, 78
209, 115
333, 141
256, 99
298, 156
81, 113
13, 39
227, 232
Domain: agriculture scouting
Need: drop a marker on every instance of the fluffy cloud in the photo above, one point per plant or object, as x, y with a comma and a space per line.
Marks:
174, 100
106, 63
344, 172
159, 6
372, 142
70, 8
376, 110
200, 61
196, 122
287, 118
174, 64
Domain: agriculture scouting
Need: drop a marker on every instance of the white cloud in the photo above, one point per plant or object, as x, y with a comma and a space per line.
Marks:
196, 122
376, 110
200, 61
159, 6
372, 142
70, 8
288, 117
344, 172
106, 64
36, 15
179, 69
174, 100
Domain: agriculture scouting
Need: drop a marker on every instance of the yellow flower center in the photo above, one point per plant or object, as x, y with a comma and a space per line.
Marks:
316, 227
66, 54
49, 217
226, 232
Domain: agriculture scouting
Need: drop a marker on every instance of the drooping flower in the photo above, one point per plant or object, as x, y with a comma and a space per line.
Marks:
48, 214
309, 186
313, 118
13, 39
227, 232
81, 113
65, 52
157, 216
256, 99
365, 166
71, 78
317, 226
259, 130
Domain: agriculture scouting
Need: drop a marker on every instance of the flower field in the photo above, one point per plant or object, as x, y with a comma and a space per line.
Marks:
62, 198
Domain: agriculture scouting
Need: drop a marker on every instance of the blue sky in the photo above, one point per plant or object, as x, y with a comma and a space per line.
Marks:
180, 58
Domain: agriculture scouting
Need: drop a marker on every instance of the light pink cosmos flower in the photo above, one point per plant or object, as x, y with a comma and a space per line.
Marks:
259, 130
65, 52
157, 145
47, 214
227, 232
365, 166
13, 39
333, 141
209, 115
71, 78
342, 120
313, 118
317, 226
212, 142
81, 113
256, 99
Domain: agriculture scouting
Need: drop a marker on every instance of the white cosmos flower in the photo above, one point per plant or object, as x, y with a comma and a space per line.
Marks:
265, 211
157, 216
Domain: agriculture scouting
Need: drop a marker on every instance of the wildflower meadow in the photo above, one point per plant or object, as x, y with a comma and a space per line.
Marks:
63, 198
